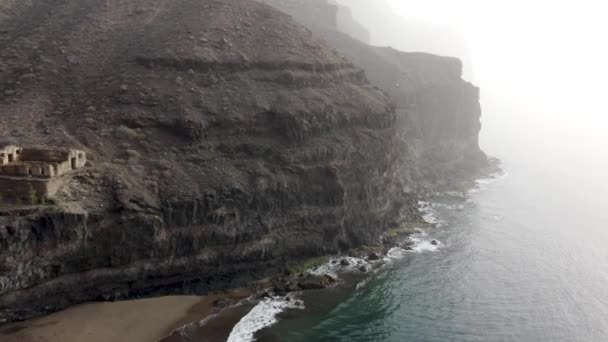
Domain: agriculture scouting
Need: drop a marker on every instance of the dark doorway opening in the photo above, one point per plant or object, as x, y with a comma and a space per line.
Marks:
11, 158
73, 160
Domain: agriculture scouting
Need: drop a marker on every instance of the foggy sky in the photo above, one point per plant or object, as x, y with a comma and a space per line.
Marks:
542, 66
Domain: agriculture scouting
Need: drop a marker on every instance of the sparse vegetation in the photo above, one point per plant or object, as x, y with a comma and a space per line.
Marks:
32, 196
129, 133
307, 265
403, 229
363, 251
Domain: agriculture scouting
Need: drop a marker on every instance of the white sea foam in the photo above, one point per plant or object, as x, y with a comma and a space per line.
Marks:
334, 266
422, 244
362, 283
458, 207
429, 215
395, 253
261, 316
457, 194
483, 183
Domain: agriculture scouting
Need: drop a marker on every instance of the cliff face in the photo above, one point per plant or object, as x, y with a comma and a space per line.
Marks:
347, 24
438, 113
388, 28
225, 141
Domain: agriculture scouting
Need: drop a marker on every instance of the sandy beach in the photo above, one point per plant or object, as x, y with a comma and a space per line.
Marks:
142, 320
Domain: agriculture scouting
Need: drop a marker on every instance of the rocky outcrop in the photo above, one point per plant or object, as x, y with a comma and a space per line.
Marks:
404, 31
225, 141
347, 24
325, 14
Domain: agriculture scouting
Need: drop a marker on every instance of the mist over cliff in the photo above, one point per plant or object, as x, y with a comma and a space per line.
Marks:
388, 27
438, 112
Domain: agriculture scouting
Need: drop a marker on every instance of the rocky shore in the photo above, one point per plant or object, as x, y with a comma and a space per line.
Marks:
181, 318
226, 141
215, 317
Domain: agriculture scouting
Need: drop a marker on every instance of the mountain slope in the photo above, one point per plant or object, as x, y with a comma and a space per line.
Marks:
225, 141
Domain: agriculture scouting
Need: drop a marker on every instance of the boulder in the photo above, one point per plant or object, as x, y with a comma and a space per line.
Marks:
316, 282
373, 256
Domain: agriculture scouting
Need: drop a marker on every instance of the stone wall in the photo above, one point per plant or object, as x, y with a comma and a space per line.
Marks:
35, 173
9, 154
45, 155
41, 163
20, 190
29, 169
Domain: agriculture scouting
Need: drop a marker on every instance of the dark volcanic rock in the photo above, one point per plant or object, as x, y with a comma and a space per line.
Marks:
225, 140
373, 256
316, 282
283, 286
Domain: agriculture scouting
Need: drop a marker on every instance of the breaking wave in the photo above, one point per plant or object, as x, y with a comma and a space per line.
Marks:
423, 244
263, 315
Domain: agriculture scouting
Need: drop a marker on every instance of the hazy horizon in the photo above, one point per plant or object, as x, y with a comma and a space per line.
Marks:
541, 68
522, 259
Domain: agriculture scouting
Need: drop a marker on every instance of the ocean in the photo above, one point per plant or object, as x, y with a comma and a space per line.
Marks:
522, 257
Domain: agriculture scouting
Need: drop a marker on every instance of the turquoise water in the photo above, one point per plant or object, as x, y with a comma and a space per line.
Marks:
524, 259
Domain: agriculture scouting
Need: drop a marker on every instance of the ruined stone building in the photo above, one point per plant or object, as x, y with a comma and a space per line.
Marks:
38, 170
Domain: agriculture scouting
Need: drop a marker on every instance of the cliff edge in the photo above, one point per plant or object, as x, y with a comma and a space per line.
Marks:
438, 113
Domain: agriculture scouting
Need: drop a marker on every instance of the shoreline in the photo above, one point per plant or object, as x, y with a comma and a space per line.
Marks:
164, 319
141, 320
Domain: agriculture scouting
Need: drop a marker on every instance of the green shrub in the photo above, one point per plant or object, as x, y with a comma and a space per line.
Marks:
128, 133
403, 229
32, 196
307, 265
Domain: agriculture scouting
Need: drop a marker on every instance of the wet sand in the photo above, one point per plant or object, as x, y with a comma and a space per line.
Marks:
219, 323
216, 329
145, 320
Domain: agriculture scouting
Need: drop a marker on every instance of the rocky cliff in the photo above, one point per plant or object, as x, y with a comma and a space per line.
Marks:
225, 141
438, 113
347, 24
404, 31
